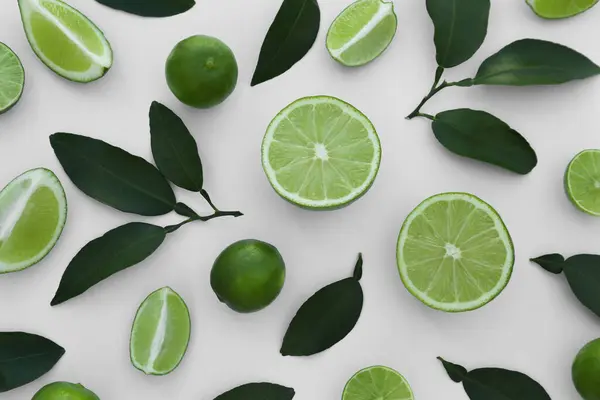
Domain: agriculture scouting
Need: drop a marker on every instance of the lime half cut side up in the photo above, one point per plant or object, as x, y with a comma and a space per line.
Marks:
12, 78
582, 181
455, 253
556, 9
321, 153
66, 40
377, 383
362, 32
33, 211
161, 333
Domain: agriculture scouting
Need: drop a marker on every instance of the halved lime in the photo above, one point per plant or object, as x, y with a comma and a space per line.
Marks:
377, 383
582, 181
161, 332
555, 9
33, 211
321, 153
362, 32
454, 252
66, 40
12, 78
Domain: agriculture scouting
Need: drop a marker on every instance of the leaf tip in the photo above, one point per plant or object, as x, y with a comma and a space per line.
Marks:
358, 268
550, 262
456, 372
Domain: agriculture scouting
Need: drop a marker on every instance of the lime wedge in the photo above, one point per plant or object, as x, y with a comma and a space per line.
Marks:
582, 181
321, 153
12, 78
33, 211
454, 252
160, 334
362, 32
377, 383
65, 40
555, 9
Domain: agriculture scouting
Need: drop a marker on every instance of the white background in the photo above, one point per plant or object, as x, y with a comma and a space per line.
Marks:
535, 326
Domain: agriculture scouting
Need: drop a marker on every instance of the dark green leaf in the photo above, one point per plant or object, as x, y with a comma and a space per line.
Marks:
113, 176
534, 62
24, 357
326, 318
481, 136
502, 384
456, 372
289, 38
460, 28
550, 262
258, 391
115, 251
174, 148
150, 8
583, 273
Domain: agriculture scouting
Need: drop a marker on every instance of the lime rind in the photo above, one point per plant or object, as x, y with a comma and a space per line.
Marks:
503, 235
570, 9
99, 64
325, 204
584, 174
350, 392
34, 179
6, 55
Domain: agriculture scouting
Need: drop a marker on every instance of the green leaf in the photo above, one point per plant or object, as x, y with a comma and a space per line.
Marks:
150, 8
534, 62
481, 136
550, 262
258, 391
290, 37
460, 29
24, 357
583, 274
326, 318
174, 149
113, 176
496, 384
115, 251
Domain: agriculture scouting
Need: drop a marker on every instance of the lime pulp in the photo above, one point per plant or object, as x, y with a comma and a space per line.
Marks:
377, 383
582, 181
12, 78
556, 9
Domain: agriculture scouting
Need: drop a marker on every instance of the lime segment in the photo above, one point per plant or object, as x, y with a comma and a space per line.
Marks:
454, 252
33, 211
362, 32
65, 40
12, 78
582, 181
321, 153
377, 383
555, 9
161, 332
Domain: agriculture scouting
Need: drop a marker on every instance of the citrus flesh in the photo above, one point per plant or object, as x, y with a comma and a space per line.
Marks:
33, 211
555, 9
161, 333
586, 371
321, 153
12, 78
582, 181
377, 383
362, 32
66, 40
248, 275
454, 252
201, 71
64, 391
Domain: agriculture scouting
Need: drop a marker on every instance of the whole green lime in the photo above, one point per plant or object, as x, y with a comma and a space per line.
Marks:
201, 71
248, 275
64, 391
586, 371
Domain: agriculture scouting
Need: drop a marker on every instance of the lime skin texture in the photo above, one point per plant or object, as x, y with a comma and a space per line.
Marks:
586, 371
65, 391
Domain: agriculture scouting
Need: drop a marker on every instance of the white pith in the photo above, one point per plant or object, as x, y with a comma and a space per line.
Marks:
569, 187
498, 226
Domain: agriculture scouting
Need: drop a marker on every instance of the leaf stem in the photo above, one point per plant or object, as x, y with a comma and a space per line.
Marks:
204, 194
216, 214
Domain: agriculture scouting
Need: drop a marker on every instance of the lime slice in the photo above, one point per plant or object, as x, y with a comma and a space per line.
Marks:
12, 78
582, 181
377, 383
65, 40
33, 211
362, 32
160, 334
555, 9
454, 252
321, 153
